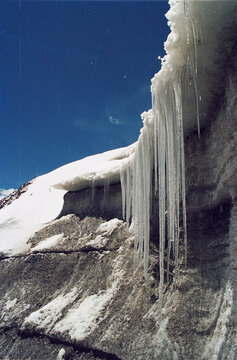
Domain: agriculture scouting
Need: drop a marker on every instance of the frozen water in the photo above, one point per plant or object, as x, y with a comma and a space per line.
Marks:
189, 70
200, 40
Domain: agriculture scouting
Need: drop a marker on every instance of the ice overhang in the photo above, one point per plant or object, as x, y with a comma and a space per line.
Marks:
203, 35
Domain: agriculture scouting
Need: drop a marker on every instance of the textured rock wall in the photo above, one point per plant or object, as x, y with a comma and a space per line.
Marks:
211, 161
103, 201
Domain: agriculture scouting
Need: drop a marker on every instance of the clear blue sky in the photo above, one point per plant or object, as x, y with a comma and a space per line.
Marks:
74, 79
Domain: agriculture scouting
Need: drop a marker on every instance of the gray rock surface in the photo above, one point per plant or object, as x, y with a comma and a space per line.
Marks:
85, 295
102, 201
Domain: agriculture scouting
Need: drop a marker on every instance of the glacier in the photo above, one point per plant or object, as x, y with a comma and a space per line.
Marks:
183, 95
43, 200
178, 193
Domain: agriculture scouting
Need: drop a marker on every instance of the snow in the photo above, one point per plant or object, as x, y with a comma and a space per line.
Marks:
11, 307
82, 320
10, 304
5, 192
96, 169
48, 243
43, 200
46, 317
218, 339
61, 354
25, 215
84, 317
98, 242
108, 227
105, 230
77, 315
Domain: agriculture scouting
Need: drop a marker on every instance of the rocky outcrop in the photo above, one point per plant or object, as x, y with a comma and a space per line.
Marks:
211, 161
77, 293
98, 201
14, 195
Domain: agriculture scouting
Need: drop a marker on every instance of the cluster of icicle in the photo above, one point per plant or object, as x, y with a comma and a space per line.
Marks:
158, 167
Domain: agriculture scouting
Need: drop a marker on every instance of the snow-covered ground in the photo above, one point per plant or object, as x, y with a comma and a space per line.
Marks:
48, 243
43, 200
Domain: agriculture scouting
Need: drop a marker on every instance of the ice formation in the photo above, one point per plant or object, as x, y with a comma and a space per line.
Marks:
43, 200
182, 94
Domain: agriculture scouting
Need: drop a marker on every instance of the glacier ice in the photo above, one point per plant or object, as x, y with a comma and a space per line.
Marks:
182, 92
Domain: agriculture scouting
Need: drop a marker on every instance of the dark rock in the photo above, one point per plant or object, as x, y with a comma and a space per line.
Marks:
104, 202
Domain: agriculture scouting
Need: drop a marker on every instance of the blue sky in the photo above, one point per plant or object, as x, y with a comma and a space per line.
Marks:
74, 79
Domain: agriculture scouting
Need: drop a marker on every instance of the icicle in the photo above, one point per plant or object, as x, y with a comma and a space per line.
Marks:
129, 182
136, 184
160, 152
180, 176
123, 190
93, 191
142, 205
194, 32
155, 145
166, 142
126, 180
162, 207
186, 13
193, 68
106, 187
195, 86
187, 77
191, 62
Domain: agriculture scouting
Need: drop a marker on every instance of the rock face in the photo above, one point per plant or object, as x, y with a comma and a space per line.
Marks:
14, 195
76, 293
211, 161
103, 201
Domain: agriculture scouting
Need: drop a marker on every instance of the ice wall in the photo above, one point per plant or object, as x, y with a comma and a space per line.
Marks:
184, 93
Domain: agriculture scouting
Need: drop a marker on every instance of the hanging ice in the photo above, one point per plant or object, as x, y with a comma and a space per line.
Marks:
136, 178
199, 44
159, 156
160, 153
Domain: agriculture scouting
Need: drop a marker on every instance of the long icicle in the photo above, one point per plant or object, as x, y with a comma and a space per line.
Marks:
160, 151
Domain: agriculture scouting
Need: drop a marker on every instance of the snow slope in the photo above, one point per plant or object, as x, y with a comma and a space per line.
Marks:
43, 200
